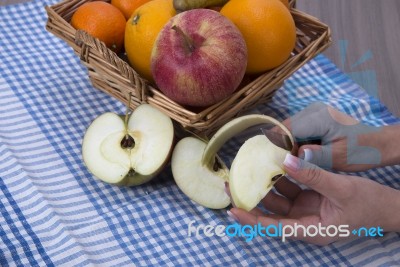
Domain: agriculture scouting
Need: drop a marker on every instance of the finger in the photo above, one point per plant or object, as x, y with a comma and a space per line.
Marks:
257, 212
313, 121
287, 188
244, 217
277, 204
312, 125
326, 183
355, 157
272, 222
303, 114
341, 117
247, 218
321, 156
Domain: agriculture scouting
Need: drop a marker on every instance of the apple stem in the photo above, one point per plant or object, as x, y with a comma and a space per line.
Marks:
128, 105
188, 41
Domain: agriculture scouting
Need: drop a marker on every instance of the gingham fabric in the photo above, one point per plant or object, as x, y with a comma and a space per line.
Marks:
55, 213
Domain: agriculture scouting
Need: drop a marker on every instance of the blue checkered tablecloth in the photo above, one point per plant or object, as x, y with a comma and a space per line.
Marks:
55, 213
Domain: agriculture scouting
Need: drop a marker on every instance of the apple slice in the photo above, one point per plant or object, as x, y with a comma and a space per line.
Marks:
253, 170
203, 184
201, 174
129, 153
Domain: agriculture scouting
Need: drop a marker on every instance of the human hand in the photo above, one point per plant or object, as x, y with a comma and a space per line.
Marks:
346, 144
333, 200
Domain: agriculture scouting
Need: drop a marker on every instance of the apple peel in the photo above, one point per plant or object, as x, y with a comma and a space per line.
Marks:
201, 175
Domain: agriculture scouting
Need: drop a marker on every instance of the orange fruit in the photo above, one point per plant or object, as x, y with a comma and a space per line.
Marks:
268, 29
103, 21
127, 7
142, 30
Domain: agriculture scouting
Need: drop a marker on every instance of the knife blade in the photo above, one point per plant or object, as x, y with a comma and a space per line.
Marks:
283, 140
278, 139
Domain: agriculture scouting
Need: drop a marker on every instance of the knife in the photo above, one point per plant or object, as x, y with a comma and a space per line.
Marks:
283, 140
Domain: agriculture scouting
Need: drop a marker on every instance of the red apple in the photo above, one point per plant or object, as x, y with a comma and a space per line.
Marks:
199, 58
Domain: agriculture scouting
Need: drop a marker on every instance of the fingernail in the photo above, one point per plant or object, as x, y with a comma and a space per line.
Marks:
233, 216
307, 154
291, 162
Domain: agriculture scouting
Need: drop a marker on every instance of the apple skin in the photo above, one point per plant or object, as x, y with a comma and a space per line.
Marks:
206, 71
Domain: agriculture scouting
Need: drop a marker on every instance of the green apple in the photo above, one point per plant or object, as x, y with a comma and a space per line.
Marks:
128, 153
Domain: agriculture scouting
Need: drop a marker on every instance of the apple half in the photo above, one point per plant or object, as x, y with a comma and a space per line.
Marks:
128, 153
201, 175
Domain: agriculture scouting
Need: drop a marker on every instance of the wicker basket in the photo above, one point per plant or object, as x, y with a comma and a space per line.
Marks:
113, 75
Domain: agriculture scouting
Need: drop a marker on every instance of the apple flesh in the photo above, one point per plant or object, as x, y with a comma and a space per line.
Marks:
201, 175
253, 171
199, 58
201, 183
128, 154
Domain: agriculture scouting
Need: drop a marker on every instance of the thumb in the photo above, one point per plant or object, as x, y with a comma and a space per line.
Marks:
317, 155
326, 183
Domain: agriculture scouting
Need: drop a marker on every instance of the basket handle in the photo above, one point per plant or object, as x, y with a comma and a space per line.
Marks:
88, 43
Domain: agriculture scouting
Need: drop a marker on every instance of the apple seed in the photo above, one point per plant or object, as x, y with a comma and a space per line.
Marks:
217, 165
128, 142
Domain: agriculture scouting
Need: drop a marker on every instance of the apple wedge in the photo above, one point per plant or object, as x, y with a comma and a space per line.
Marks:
203, 184
128, 153
254, 171
201, 174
